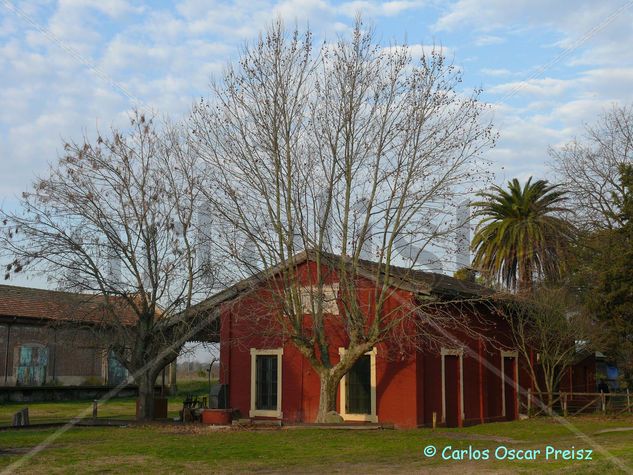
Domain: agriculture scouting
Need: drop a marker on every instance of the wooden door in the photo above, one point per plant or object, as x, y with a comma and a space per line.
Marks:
509, 380
452, 396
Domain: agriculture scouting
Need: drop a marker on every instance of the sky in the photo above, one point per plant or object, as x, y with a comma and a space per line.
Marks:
68, 67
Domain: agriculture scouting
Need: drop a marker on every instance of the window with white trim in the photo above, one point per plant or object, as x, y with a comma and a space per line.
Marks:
357, 395
327, 295
266, 386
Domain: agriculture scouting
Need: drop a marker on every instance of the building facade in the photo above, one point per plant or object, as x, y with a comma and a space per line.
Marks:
468, 381
44, 341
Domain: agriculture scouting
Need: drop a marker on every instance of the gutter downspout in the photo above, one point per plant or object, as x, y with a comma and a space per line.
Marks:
54, 354
6, 356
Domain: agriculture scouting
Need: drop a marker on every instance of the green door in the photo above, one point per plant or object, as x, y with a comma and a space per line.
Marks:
116, 371
32, 363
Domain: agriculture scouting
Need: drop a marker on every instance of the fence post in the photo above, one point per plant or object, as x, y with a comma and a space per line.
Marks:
628, 400
21, 418
565, 404
529, 402
603, 402
434, 419
94, 408
17, 419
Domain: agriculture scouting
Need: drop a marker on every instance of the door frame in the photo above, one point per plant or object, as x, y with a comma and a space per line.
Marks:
254, 412
453, 352
373, 417
515, 382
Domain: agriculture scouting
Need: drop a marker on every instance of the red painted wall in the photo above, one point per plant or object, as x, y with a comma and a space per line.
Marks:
408, 384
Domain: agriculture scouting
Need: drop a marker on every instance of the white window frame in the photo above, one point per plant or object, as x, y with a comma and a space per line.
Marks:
451, 352
330, 298
373, 417
254, 412
504, 355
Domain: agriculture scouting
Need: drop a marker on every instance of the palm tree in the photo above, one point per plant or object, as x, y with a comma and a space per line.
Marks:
522, 236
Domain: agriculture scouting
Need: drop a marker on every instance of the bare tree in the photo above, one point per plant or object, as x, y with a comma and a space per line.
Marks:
352, 152
589, 167
550, 330
116, 218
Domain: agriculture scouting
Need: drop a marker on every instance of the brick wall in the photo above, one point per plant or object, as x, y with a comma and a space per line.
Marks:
74, 355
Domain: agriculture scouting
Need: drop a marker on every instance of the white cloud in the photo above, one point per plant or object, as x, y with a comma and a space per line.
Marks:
418, 50
486, 40
302, 10
376, 9
111, 8
538, 87
596, 32
166, 55
498, 72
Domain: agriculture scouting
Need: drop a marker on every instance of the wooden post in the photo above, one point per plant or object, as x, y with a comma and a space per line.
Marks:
565, 404
529, 402
628, 400
17, 419
481, 381
21, 418
173, 367
94, 408
603, 402
434, 419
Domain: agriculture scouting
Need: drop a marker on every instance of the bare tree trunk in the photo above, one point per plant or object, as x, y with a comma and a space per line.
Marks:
549, 387
145, 382
327, 395
550, 402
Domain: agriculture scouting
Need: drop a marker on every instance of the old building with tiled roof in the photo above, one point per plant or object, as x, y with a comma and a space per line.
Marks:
47, 338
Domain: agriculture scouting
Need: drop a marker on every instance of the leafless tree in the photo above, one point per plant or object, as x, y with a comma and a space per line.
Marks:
550, 331
589, 167
351, 152
116, 219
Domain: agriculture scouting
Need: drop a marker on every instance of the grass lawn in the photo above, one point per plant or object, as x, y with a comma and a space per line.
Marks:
193, 448
123, 408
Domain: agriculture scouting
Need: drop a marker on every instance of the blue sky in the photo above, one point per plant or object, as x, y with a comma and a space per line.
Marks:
69, 66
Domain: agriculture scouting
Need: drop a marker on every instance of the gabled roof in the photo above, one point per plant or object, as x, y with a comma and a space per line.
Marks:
413, 280
51, 305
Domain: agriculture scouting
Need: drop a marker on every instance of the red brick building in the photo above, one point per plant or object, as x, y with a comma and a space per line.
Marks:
458, 384
46, 338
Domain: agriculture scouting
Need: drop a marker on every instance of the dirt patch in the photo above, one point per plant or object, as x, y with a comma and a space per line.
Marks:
479, 437
193, 429
18, 451
614, 429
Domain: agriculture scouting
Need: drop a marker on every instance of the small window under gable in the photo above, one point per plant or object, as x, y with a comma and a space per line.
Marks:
310, 297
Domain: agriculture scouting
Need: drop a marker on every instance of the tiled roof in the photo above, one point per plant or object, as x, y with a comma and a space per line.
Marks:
27, 302
427, 282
